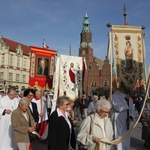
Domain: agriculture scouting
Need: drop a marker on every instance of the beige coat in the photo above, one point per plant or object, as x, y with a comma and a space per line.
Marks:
21, 125
96, 130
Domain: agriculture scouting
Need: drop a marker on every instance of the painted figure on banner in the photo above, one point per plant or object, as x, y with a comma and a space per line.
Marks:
72, 73
42, 66
128, 55
72, 76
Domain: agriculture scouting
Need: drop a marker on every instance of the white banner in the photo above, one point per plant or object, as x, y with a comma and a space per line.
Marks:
70, 76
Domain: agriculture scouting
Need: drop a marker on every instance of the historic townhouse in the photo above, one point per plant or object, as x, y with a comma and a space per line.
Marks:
14, 64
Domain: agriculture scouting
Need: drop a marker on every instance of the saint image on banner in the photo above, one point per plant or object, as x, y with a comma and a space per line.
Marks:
72, 73
128, 55
42, 68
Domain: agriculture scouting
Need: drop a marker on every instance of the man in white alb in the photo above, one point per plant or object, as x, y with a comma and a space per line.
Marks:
122, 113
7, 104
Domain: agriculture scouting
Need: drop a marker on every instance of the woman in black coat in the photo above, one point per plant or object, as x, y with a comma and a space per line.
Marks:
61, 133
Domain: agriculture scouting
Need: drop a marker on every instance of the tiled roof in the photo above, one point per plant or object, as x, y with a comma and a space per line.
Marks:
13, 45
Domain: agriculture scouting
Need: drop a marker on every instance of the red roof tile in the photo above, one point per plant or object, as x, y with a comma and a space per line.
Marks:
13, 45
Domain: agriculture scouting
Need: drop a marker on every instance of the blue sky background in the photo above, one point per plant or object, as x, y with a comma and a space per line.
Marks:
59, 22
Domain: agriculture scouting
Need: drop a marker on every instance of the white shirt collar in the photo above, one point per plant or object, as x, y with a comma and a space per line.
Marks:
60, 113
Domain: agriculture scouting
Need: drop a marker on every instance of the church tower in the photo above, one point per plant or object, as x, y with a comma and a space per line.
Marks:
85, 49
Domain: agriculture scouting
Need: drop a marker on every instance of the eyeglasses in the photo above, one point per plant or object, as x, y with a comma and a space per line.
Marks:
30, 95
102, 111
67, 104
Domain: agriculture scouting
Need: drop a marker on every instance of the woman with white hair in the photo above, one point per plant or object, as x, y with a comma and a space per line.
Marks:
97, 126
91, 107
23, 124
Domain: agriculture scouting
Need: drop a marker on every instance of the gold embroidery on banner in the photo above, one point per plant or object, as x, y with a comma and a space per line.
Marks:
128, 73
32, 72
125, 31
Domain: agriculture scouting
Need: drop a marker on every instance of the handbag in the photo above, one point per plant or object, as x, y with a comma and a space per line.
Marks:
33, 136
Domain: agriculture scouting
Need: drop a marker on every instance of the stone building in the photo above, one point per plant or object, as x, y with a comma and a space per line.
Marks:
14, 64
97, 75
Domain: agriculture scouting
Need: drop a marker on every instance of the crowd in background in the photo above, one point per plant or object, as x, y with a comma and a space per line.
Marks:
80, 124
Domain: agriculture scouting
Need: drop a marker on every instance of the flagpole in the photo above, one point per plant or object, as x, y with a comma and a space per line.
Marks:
43, 43
110, 49
144, 56
109, 55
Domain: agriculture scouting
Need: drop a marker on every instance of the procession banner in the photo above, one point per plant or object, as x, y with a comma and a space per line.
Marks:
129, 56
119, 140
41, 67
69, 75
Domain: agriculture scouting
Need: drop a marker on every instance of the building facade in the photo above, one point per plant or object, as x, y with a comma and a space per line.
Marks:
14, 64
97, 76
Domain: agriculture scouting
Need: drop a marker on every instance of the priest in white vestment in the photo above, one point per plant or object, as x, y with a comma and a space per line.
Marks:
42, 110
122, 111
7, 104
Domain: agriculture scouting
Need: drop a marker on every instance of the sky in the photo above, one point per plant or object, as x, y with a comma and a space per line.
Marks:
59, 22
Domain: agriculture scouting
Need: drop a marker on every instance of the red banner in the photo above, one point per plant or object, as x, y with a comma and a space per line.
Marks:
41, 67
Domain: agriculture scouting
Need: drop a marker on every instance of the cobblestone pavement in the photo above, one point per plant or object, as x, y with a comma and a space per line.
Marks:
136, 142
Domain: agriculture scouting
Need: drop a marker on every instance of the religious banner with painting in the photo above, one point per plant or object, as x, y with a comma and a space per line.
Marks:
69, 76
41, 67
128, 45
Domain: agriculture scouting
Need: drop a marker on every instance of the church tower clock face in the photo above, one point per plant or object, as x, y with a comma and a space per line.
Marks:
83, 44
90, 44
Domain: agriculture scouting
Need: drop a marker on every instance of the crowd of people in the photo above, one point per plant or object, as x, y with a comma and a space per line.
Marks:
90, 122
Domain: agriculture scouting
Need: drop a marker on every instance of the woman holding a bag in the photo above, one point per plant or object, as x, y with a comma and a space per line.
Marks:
97, 127
23, 124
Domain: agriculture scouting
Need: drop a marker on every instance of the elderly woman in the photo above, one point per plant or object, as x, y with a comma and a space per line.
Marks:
96, 127
23, 123
60, 133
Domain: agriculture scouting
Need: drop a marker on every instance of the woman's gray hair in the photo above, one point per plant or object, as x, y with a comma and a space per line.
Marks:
61, 100
102, 103
24, 101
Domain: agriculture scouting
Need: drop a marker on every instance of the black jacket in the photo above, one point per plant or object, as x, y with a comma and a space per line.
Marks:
59, 133
34, 112
44, 73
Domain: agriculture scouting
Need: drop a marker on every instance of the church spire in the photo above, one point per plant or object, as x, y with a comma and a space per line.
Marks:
125, 14
70, 52
86, 23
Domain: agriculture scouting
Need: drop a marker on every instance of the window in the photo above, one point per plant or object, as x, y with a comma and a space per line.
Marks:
18, 61
10, 76
24, 64
105, 83
17, 77
3, 59
1, 75
93, 84
11, 60
24, 78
